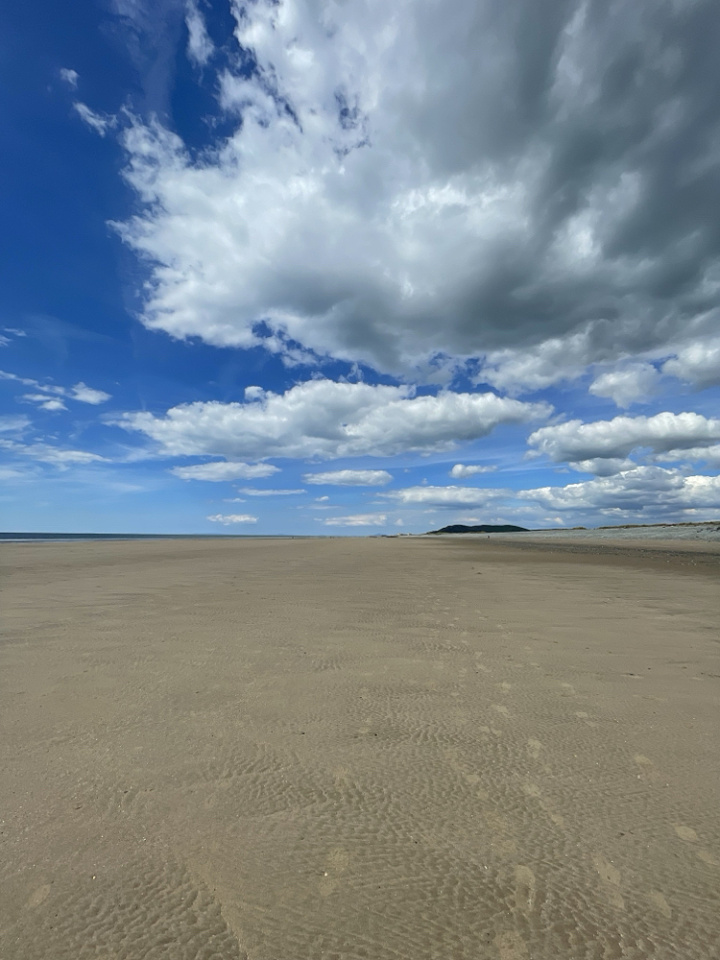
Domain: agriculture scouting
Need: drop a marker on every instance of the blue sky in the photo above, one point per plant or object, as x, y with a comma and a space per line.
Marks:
311, 267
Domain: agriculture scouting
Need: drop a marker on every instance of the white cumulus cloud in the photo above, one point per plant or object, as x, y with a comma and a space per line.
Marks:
602, 466
329, 420
698, 363
447, 496
408, 184
462, 470
578, 441
644, 492
627, 384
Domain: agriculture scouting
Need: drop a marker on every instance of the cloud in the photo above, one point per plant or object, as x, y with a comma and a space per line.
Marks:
85, 394
449, 496
578, 441
350, 478
627, 384
46, 453
603, 466
100, 123
149, 33
461, 470
227, 519
522, 183
640, 493
199, 46
357, 520
646, 491
325, 419
516, 369
697, 363
80, 392
70, 77
222, 470
253, 492
44, 402
13, 475
709, 455
14, 423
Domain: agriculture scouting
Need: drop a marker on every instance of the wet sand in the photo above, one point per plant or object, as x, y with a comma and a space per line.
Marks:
339, 749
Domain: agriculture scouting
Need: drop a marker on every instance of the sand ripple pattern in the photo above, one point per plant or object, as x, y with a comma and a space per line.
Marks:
357, 750
146, 909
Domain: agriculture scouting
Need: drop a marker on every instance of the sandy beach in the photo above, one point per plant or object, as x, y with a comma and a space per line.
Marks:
388, 749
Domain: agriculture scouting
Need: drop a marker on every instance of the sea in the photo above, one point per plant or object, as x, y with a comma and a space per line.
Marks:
77, 537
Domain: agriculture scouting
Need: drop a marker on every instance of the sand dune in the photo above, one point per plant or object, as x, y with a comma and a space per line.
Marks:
340, 749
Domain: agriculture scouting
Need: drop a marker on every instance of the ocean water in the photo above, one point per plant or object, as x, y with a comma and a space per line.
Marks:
11, 537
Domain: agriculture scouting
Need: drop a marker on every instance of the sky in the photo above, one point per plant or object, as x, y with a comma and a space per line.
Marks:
357, 267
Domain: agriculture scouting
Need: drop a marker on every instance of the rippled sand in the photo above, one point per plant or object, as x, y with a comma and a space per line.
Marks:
340, 749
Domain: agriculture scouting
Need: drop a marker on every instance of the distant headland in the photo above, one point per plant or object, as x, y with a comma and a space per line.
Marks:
481, 528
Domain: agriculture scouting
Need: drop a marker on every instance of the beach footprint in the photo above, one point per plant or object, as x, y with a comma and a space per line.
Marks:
610, 877
525, 887
647, 772
511, 946
532, 790
690, 836
335, 866
660, 903
585, 717
534, 748
38, 896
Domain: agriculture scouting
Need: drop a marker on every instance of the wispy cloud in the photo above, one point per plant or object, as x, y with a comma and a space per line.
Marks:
199, 47
222, 470
350, 478
228, 519
99, 122
70, 77
254, 492
14, 423
356, 520
47, 453
48, 397
44, 402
